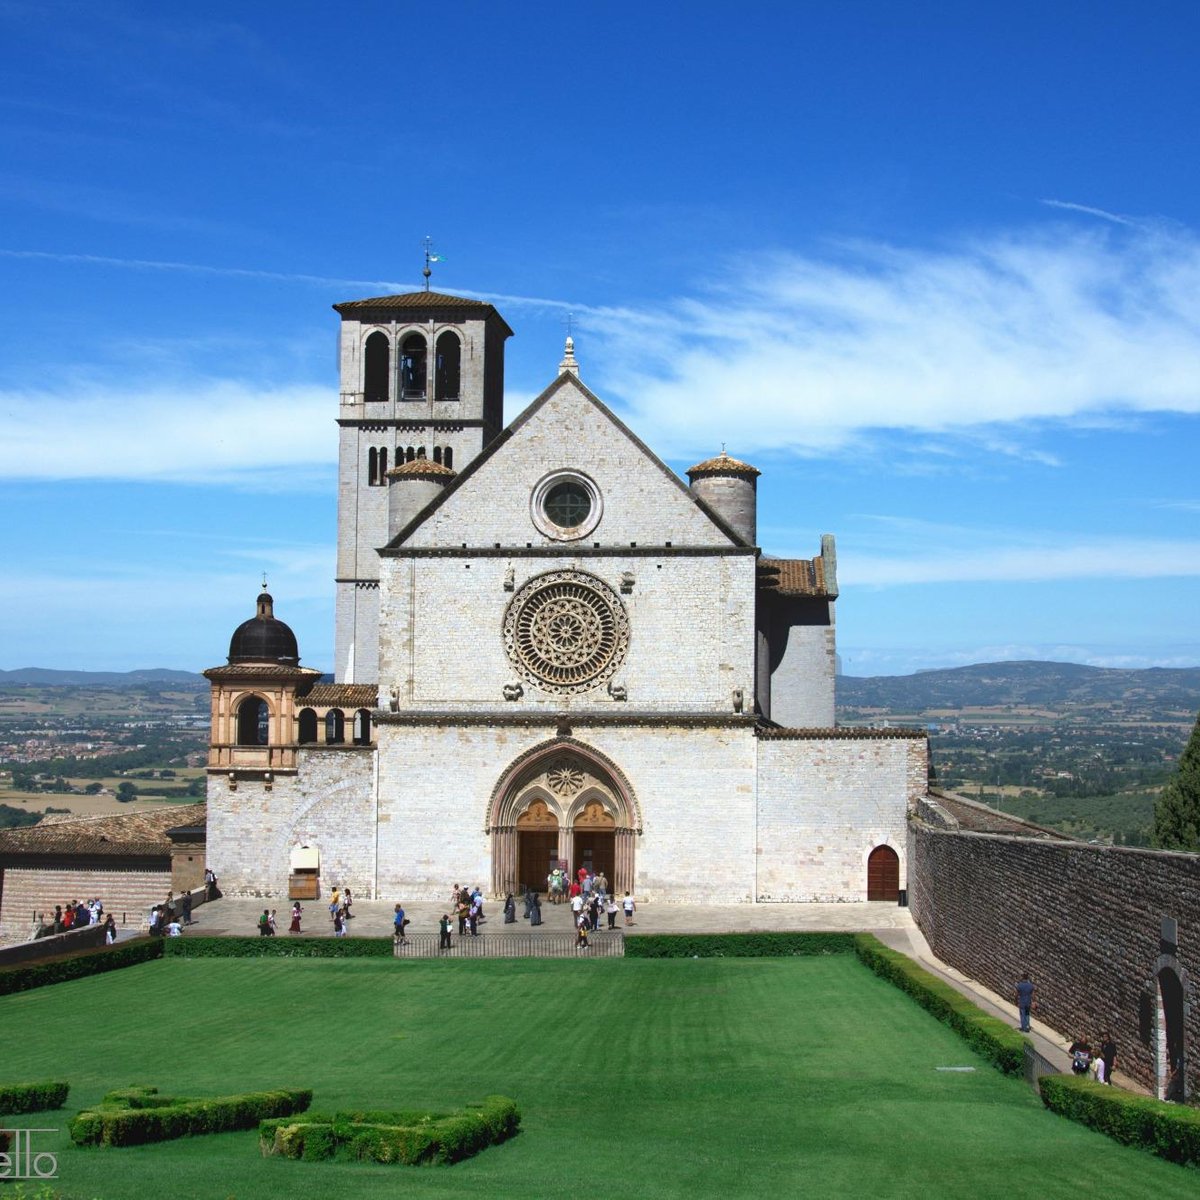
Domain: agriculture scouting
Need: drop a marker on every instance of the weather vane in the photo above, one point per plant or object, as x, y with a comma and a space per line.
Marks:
430, 257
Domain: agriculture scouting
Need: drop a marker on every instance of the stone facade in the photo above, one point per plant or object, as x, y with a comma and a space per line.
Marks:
124, 891
1085, 921
578, 659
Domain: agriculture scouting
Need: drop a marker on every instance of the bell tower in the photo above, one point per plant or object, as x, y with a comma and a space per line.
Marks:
422, 377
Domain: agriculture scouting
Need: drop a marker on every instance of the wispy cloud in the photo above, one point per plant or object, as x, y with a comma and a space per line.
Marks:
1088, 210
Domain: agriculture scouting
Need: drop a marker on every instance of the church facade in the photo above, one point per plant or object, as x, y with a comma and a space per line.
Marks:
550, 649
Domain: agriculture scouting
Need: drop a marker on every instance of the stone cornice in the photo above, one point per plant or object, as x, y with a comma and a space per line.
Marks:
574, 550
567, 719
841, 733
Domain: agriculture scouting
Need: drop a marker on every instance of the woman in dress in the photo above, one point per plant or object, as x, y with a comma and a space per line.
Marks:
294, 927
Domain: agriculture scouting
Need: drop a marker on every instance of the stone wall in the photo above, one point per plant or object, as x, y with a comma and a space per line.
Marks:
1085, 922
825, 801
329, 805
29, 890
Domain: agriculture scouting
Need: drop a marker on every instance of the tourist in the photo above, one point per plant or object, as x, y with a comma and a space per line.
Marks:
339, 923
510, 910
581, 933
444, 932
398, 923
461, 911
210, 885
477, 898
264, 923
628, 905
473, 918
335, 900
155, 917
1024, 1001
68, 917
347, 901
174, 929
528, 901
602, 884
187, 907
294, 927
110, 931
1081, 1056
170, 906
1108, 1056
59, 927
271, 922
610, 909
576, 903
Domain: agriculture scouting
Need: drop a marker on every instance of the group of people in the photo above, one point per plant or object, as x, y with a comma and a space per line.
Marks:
467, 905
1084, 1058
169, 918
267, 922
76, 915
340, 904
1099, 1062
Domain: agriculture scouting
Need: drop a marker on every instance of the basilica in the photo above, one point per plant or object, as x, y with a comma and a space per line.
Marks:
551, 650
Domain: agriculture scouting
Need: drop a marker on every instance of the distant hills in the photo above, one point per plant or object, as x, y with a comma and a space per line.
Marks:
43, 677
1039, 684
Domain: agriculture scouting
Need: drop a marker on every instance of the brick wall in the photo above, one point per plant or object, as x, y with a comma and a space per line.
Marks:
27, 890
1083, 920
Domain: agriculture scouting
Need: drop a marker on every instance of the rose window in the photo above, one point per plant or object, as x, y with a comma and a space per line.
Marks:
566, 631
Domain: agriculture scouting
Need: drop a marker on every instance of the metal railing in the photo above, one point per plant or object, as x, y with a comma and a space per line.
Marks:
513, 945
1037, 1065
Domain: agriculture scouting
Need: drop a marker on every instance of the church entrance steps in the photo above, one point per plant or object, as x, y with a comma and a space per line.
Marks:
602, 944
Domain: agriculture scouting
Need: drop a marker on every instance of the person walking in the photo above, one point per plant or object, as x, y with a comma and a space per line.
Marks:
187, 907
1024, 1001
628, 905
339, 923
399, 921
294, 927
610, 911
110, 930
510, 910
264, 923
444, 932
1108, 1056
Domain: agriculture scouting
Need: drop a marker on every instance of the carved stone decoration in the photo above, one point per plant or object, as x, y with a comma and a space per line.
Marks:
617, 691
513, 691
394, 700
595, 816
739, 700
537, 816
626, 583
566, 632
510, 579
564, 778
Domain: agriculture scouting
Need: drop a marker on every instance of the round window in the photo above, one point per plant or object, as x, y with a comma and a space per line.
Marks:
567, 504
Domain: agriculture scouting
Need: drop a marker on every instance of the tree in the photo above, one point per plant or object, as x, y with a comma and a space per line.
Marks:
126, 791
1177, 809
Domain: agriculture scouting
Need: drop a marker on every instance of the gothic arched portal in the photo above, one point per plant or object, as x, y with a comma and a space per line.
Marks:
562, 803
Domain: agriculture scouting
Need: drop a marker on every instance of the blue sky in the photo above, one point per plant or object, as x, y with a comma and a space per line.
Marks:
935, 268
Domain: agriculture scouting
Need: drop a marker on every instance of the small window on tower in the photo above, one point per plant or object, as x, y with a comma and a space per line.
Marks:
377, 368
412, 367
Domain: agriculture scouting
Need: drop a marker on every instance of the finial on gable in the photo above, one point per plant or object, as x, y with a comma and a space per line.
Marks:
568, 364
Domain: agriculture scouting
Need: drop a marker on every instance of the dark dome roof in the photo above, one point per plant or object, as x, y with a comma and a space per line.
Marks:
263, 638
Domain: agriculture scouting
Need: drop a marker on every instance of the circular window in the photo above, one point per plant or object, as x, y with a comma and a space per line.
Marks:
566, 505
566, 632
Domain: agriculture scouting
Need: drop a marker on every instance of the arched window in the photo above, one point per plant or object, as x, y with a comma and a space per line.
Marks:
308, 727
377, 367
377, 466
437, 454
449, 360
362, 727
253, 722
447, 457
335, 727
409, 454
420, 451
413, 354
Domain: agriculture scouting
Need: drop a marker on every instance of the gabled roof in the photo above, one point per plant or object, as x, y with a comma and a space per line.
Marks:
427, 301
111, 834
506, 434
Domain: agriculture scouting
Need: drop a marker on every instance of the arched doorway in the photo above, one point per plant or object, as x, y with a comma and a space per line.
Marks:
883, 874
567, 792
537, 845
594, 841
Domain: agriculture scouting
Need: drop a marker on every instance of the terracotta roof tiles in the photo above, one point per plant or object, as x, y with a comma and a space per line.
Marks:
111, 834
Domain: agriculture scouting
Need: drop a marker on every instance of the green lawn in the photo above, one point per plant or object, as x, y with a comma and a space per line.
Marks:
635, 1078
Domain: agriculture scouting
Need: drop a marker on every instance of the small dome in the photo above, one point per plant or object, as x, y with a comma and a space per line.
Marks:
722, 465
421, 468
263, 638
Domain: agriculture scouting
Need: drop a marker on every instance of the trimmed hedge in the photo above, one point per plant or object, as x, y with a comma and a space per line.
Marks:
107, 958
1172, 1131
782, 944
408, 1138
32, 1097
135, 1116
277, 947
995, 1040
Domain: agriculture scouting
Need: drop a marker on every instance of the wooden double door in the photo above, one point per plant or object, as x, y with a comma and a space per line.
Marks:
883, 874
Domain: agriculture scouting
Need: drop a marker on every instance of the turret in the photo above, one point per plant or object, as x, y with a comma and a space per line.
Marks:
411, 487
730, 489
